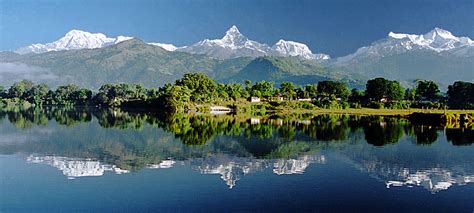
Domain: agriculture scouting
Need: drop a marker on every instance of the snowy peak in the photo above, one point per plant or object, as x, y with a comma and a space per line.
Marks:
168, 47
232, 32
234, 44
439, 33
437, 39
233, 37
74, 39
291, 48
296, 49
122, 38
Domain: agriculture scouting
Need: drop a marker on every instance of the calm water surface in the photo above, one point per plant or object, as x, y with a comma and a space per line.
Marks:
60, 160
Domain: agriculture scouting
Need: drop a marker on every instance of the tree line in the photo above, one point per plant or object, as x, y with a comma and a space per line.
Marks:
198, 88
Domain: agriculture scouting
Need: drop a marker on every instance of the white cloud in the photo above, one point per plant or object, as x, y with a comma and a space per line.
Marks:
14, 72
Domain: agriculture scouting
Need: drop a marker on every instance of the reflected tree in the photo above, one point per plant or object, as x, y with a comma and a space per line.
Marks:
460, 137
380, 131
425, 135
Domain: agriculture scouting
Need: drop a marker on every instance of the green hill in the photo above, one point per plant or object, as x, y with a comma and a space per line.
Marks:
280, 69
410, 66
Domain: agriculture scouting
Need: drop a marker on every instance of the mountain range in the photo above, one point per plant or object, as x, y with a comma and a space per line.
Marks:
234, 45
92, 59
437, 55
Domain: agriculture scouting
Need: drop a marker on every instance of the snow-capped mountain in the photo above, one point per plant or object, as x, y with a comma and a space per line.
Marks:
74, 39
296, 49
437, 40
168, 47
437, 55
234, 45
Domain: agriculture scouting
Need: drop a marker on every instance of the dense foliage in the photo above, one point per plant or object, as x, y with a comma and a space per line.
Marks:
461, 95
196, 90
381, 89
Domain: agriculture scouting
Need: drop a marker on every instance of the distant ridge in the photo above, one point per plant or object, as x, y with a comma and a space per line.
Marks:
91, 59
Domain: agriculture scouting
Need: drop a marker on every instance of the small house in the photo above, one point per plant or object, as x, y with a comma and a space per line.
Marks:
254, 99
277, 98
304, 99
254, 121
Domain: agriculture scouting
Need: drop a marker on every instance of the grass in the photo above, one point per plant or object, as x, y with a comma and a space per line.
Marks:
370, 111
352, 111
292, 107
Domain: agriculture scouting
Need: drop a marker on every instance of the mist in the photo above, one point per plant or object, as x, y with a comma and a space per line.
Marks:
14, 72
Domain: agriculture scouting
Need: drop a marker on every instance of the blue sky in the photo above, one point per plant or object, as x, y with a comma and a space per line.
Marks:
336, 27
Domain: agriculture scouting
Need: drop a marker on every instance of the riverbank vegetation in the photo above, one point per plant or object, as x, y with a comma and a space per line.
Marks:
197, 92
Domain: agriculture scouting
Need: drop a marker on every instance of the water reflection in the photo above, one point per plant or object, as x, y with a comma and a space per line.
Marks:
73, 168
434, 180
233, 168
200, 129
85, 142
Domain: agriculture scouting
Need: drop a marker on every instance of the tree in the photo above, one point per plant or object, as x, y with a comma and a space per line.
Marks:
81, 96
247, 82
117, 94
356, 96
62, 95
301, 93
338, 89
19, 89
37, 94
203, 88
262, 89
461, 95
427, 90
311, 90
235, 91
395, 91
2, 92
381, 88
287, 90
175, 97
410, 94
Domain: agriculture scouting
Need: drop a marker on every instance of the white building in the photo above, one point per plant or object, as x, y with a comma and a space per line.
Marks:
254, 99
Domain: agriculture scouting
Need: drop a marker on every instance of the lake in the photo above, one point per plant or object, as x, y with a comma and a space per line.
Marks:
77, 160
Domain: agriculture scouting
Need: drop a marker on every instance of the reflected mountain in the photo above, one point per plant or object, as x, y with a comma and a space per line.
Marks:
230, 168
434, 180
233, 168
435, 167
73, 168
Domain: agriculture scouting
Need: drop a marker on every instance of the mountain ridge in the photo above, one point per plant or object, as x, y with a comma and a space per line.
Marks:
233, 45
437, 55
133, 61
